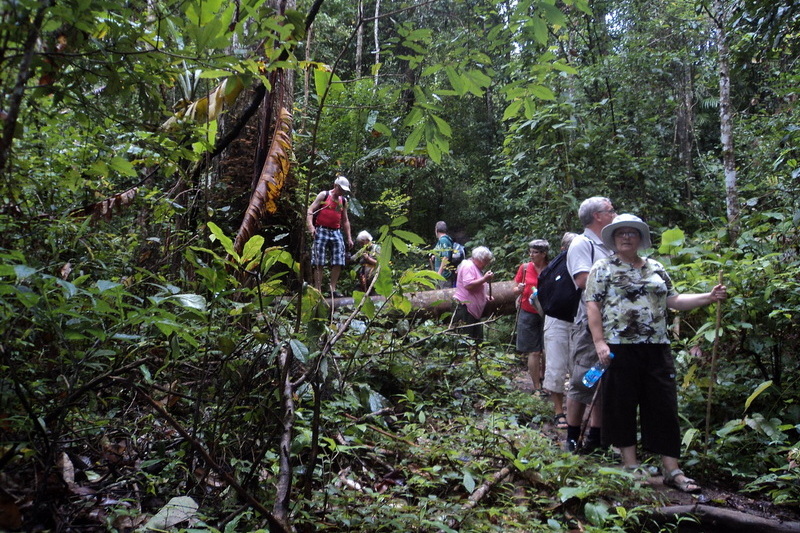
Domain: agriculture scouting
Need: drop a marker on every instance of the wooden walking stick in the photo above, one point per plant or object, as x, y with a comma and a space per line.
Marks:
713, 374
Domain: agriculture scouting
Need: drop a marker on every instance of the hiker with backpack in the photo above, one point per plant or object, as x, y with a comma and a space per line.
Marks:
627, 300
556, 347
530, 324
472, 291
447, 255
326, 220
586, 249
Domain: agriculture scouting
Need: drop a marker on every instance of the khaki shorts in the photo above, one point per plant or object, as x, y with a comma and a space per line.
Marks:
583, 357
557, 335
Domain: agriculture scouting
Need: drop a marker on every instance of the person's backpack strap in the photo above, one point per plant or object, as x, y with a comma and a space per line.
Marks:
315, 214
450, 247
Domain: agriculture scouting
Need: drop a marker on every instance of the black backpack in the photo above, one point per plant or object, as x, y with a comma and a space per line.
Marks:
557, 293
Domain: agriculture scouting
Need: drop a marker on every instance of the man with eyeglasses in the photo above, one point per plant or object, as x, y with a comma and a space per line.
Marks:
594, 213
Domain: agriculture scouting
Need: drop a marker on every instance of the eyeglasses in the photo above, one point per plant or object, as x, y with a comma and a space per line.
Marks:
535, 251
626, 234
612, 210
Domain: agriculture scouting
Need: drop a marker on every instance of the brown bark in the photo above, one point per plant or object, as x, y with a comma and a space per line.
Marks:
431, 304
14, 100
269, 185
720, 519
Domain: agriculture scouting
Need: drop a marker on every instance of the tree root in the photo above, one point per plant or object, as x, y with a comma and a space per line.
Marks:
720, 519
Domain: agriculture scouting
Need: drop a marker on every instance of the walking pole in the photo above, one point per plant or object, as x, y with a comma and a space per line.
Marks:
585, 421
713, 377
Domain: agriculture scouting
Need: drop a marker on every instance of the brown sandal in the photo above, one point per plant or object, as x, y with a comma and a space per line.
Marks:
560, 421
688, 485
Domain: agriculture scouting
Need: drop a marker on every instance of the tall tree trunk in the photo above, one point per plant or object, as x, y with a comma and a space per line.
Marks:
726, 119
377, 41
359, 38
684, 124
14, 101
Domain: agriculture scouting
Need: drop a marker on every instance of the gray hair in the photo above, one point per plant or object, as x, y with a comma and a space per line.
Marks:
364, 236
589, 207
566, 239
441, 227
539, 244
482, 253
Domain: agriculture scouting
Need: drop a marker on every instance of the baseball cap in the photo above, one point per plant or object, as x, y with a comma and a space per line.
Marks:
342, 182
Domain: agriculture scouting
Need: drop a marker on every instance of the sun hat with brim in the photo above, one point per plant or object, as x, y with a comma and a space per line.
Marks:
626, 220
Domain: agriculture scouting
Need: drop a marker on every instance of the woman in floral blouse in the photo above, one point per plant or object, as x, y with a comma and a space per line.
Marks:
627, 298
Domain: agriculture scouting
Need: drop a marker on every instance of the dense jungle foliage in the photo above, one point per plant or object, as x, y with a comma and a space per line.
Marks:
164, 363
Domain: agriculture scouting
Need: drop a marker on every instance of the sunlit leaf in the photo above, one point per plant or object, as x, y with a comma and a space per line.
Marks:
177, 510
756, 393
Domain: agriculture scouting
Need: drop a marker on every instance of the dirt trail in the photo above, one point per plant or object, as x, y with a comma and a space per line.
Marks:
728, 509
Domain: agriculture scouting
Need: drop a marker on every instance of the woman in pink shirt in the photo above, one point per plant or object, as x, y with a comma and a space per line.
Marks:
472, 291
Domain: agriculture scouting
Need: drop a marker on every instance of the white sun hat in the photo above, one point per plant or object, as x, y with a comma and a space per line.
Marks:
626, 220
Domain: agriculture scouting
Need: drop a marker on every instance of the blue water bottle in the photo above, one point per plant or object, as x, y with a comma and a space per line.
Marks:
593, 375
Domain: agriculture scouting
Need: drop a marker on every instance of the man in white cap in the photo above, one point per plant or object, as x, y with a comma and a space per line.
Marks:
326, 219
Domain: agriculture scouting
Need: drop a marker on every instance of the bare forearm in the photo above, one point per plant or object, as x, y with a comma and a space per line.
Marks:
686, 302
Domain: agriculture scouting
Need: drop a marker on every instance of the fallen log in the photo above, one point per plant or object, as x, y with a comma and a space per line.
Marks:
724, 520
431, 304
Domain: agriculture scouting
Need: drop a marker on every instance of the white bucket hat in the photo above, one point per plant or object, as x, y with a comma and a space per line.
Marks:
626, 220
342, 182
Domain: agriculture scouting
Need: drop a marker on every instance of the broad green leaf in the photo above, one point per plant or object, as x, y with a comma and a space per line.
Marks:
123, 166
443, 126
401, 304
565, 493
192, 301
369, 308
756, 393
434, 152
564, 67
105, 285
513, 109
468, 481
553, 15
689, 437
299, 350
383, 284
596, 512
539, 29
409, 236
23, 271
227, 243
455, 80
479, 78
414, 138
177, 510
672, 239
321, 80
542, 92
252, 248
400, 244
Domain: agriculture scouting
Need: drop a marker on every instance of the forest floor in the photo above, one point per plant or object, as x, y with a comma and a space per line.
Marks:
739, 512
